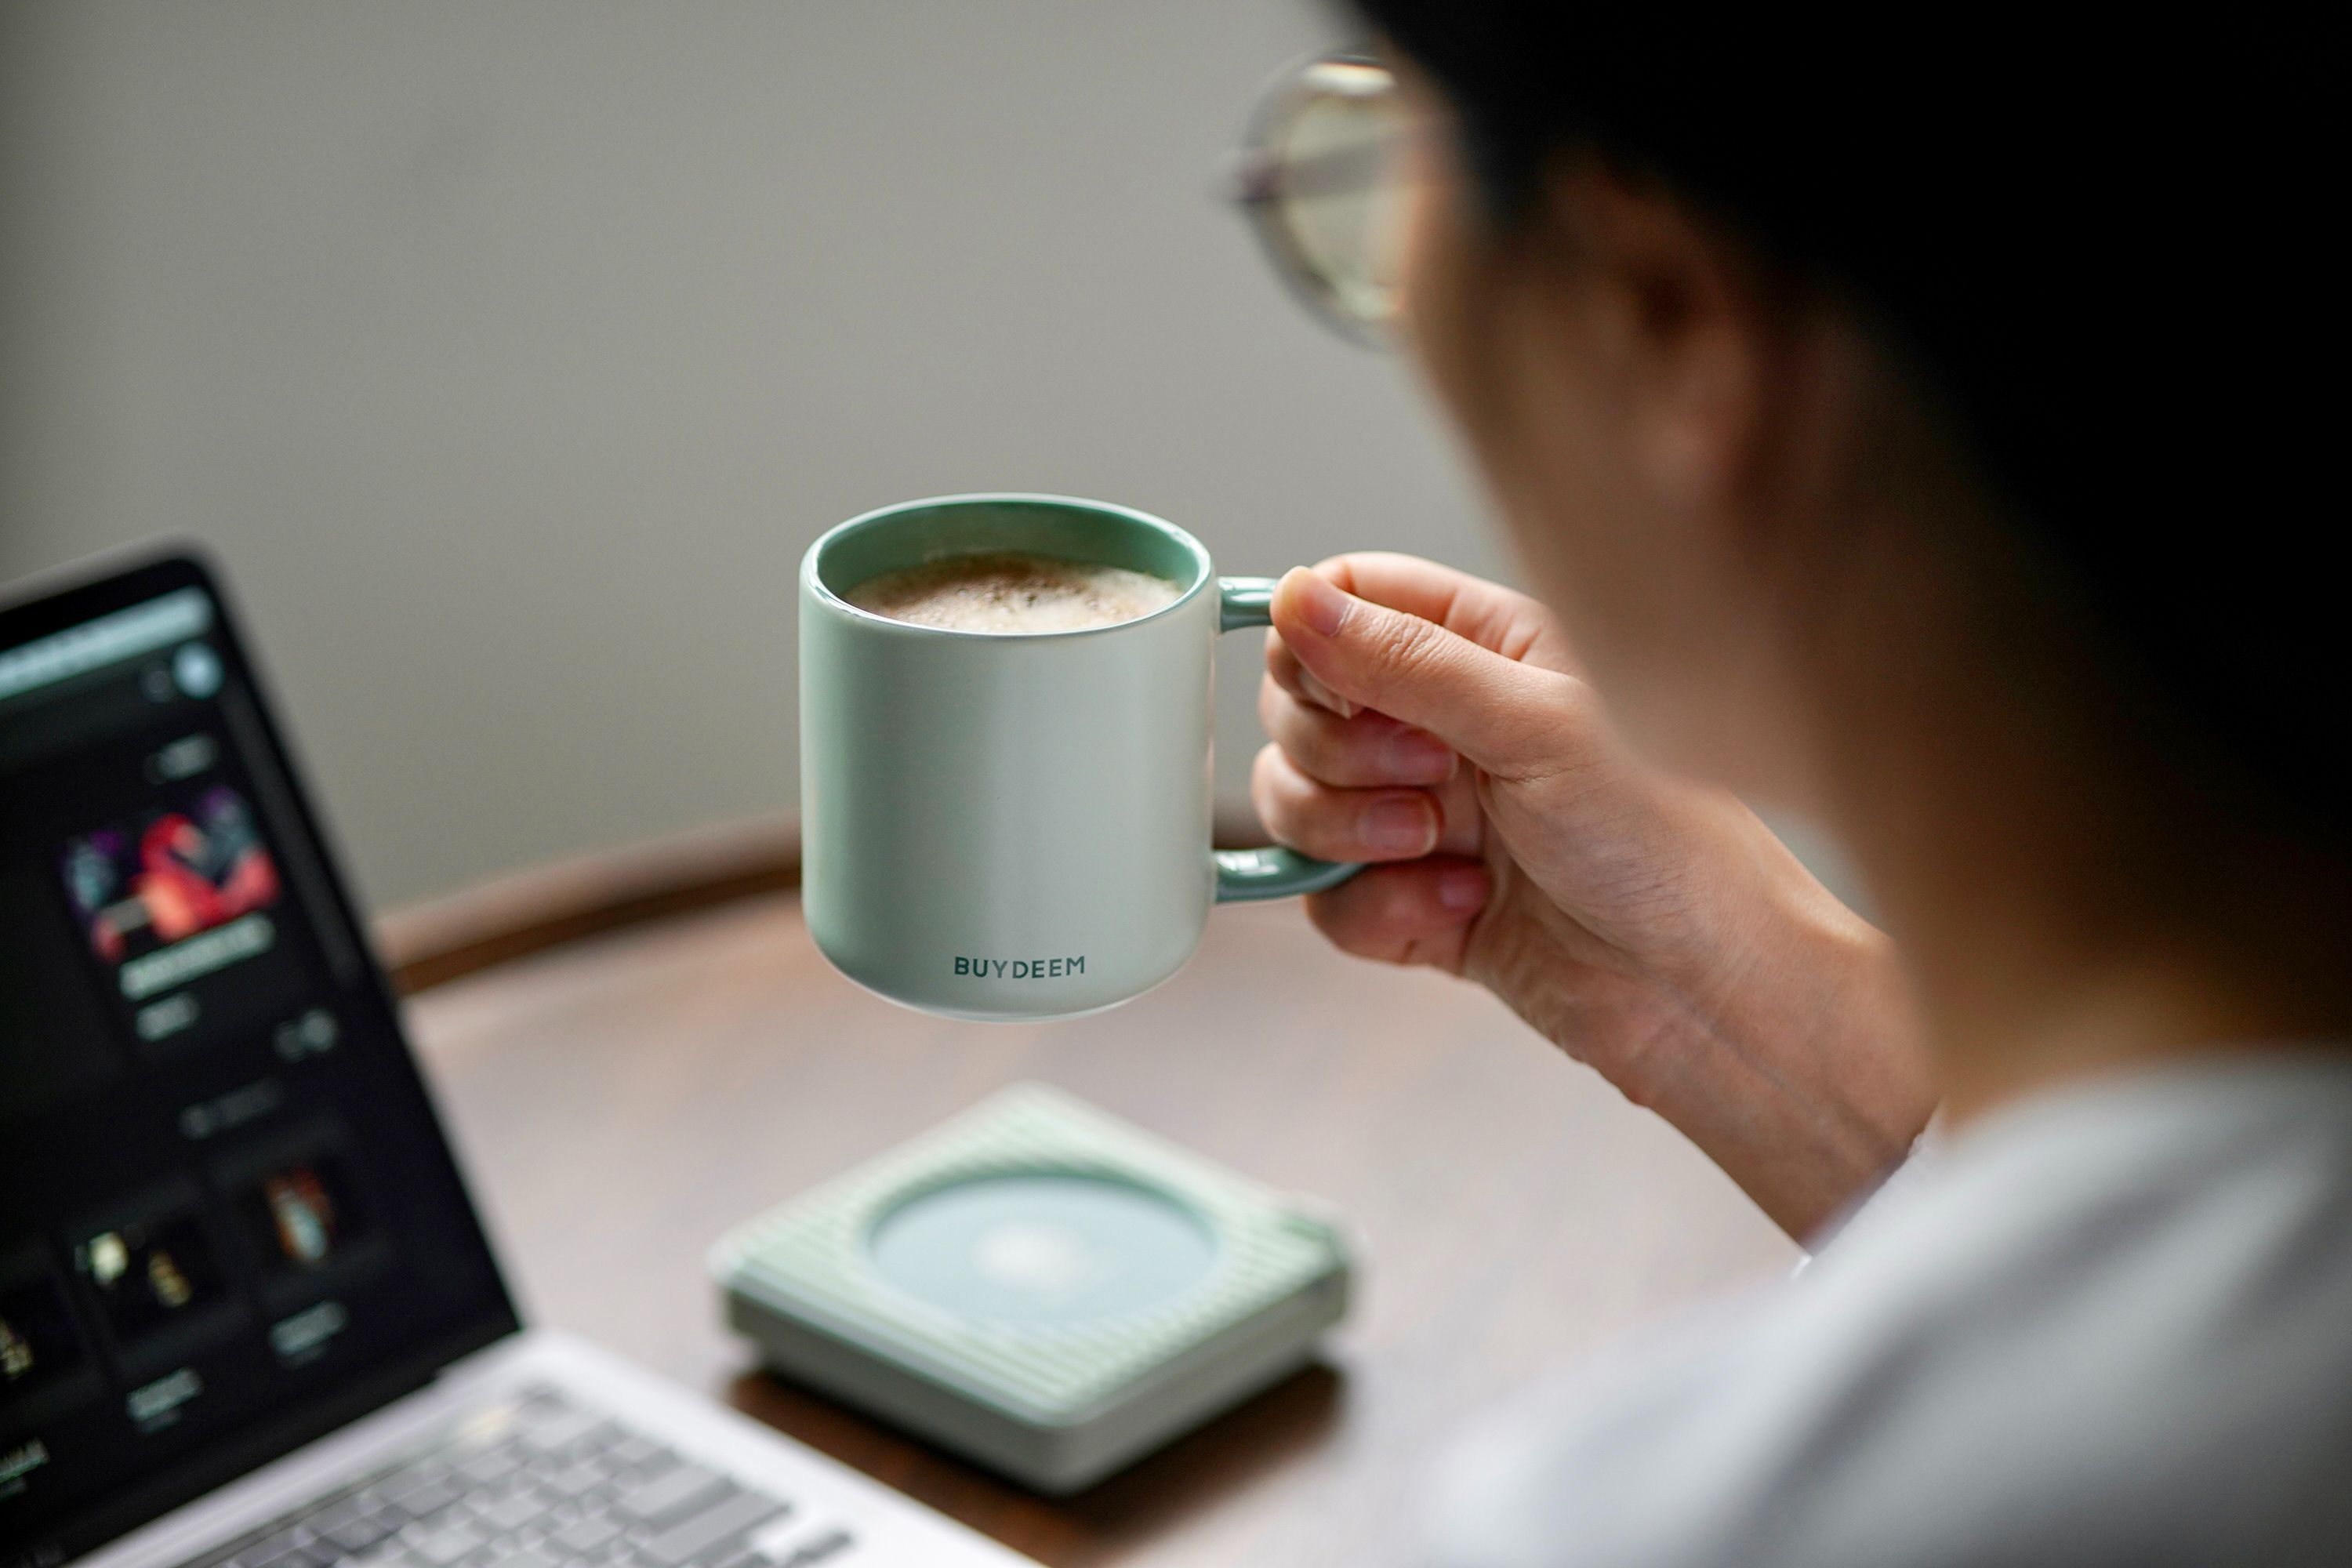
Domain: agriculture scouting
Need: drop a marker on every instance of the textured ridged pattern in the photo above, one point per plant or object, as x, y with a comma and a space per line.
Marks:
813, 1250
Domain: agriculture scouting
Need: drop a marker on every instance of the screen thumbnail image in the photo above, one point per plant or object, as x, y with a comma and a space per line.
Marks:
151, 1273
168, 874
38, 1342
303, 1213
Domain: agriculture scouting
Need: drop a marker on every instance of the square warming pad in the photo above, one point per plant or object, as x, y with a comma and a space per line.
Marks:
1038, 1286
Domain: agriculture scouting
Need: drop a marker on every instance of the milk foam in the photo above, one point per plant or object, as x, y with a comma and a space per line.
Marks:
1012, 593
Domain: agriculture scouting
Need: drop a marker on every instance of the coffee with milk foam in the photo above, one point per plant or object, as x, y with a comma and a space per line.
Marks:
1012, 593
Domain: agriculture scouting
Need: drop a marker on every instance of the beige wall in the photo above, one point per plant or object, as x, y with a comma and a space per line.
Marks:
510, 353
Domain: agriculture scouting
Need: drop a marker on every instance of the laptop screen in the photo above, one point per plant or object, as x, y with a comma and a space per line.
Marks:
228, 1218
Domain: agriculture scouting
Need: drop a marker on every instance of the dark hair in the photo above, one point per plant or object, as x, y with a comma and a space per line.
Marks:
2102, 255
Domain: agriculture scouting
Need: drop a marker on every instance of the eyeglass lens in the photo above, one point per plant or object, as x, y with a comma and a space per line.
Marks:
1336, 200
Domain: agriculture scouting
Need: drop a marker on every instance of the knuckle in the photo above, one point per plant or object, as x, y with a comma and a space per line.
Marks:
1339, 915
1299, 816
1285, 799
1307, 742
1267, 771
1292, 727
1272, 790
1347, 750
1272, 706
1405, 646
1329, 749
1363, 918
1285, 672
1397, 639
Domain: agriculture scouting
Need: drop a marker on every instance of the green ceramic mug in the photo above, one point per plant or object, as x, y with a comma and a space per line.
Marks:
1018, 826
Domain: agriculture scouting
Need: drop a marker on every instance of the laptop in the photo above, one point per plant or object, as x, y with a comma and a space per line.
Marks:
248, 1316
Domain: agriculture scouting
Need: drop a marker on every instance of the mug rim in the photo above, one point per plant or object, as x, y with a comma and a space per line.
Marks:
813, 579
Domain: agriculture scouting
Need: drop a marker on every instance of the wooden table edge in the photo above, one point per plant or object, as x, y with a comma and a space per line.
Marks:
435, 940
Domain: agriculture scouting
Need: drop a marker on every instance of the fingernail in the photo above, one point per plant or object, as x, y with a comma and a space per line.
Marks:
1416, 756
1400, 827
1325, 695
1322, 606
1463, 888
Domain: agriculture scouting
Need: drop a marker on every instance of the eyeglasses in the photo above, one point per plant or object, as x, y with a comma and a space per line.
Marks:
1319, 179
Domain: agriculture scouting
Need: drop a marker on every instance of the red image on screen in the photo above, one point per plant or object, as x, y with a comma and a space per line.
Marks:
172, 875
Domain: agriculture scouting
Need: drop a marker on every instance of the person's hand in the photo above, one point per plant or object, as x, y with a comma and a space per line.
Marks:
1436, 724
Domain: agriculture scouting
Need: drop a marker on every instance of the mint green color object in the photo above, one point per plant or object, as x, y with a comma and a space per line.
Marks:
923, 1286
1246, 876
1005, 828
1058, 1249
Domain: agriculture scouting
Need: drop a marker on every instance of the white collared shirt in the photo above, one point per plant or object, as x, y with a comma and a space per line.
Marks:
2111, 1324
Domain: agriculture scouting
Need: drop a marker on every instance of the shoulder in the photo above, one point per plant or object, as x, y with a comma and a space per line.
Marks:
2116, 1328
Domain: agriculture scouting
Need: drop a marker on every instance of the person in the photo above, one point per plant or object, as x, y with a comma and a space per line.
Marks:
1927, 451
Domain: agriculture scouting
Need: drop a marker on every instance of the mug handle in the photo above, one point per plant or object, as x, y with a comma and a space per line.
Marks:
1246, 876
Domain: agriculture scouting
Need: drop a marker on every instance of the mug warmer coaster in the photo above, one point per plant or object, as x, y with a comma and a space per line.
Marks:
1038, 1286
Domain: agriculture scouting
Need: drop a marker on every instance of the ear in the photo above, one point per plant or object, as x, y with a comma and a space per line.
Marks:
1681, 318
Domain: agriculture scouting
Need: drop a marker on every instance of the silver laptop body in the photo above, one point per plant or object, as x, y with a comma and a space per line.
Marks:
249, 1315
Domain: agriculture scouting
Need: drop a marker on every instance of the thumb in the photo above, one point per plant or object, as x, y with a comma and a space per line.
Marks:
1502, 715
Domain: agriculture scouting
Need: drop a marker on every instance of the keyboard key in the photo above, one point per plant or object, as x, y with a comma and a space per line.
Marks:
723, 1521
359, 1534
543, 1484
817, 1551
510, 1513
494, 1464
391, 1554
395, 1553
668, 1495
577, 1480
442, 1547
523, 1557
558, 1431
583, 1535
638, 1453
429, 1498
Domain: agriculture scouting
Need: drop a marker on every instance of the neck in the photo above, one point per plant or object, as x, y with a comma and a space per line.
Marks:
2069, 901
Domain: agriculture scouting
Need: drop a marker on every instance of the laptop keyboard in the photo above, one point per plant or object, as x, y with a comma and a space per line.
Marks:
541, 1482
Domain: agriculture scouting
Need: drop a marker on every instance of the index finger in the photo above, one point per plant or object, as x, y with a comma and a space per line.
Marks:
1502, 620
1282, 668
